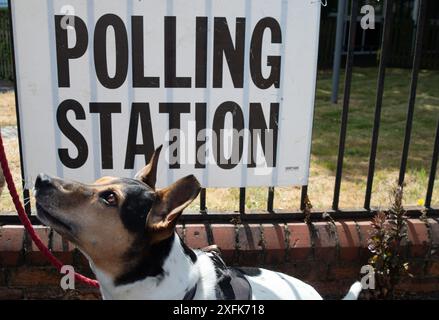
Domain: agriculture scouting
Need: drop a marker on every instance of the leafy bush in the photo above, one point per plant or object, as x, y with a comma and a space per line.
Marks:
389, 230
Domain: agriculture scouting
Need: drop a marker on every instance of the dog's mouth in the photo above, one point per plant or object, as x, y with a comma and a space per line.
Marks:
49, 219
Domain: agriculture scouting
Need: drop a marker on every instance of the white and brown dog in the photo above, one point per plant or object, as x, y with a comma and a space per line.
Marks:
126, 229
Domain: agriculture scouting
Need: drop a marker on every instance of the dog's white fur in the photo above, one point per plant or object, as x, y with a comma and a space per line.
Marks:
180, 273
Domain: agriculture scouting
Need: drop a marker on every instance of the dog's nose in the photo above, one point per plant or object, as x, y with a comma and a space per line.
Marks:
43, 181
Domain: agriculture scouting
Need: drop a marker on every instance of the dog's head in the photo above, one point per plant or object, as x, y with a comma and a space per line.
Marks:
110, 217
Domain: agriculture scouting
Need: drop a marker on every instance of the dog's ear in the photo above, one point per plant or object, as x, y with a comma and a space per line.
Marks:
169, 204
149, 173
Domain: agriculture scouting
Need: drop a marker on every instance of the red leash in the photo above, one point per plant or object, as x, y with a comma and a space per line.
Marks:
26, 222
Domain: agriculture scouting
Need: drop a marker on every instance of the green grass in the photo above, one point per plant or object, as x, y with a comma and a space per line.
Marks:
361, 119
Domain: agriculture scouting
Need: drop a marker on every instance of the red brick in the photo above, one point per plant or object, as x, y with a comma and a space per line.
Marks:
11, 245
345, 271
417, 268
418, 237
419, 286
433, 269
45, 293
250, 245
50, 293
34, 276
34, 256
319, 272
299, 270
93, 294
299, 241
325, 242
434, 231
61, 248
274, 236
366, 229
196, 236
11, 294
434, 227
334, 289
11, 238
2, 277
349, 240
90, 296
43, 233
224, 238
249, 237
306, 270
60, 244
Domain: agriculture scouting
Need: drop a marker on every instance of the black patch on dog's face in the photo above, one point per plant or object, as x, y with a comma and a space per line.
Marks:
152, 258
138, 201
188, 251
143, 258
150, 263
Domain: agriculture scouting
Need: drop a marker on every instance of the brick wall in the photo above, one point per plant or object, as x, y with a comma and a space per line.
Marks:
327, 256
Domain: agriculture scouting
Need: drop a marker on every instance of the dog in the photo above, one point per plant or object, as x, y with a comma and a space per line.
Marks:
126, 229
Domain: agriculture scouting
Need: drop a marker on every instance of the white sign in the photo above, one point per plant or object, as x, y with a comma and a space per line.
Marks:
226, 86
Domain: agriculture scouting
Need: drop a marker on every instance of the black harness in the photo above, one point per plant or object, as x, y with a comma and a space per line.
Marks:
191, 293
231, 285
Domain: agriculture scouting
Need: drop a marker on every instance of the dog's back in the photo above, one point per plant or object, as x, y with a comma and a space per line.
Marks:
261, 284
272, 285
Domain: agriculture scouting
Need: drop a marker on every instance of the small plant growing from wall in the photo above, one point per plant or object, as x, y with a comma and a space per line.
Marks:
389, 230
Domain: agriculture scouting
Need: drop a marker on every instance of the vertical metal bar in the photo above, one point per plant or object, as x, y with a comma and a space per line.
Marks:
414, 82
26, 194
203, 211
385, 44
241, 200
303, 197
363, 40
203, 208
270, 199
433, 168
338, 49
347, 93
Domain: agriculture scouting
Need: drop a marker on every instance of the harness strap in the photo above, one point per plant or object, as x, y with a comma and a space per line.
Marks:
191, 293
232, 283
240, 285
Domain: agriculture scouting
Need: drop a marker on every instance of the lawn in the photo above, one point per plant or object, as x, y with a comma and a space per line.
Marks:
325, 145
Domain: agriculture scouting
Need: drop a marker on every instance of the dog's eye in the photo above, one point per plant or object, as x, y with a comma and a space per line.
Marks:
110, 198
